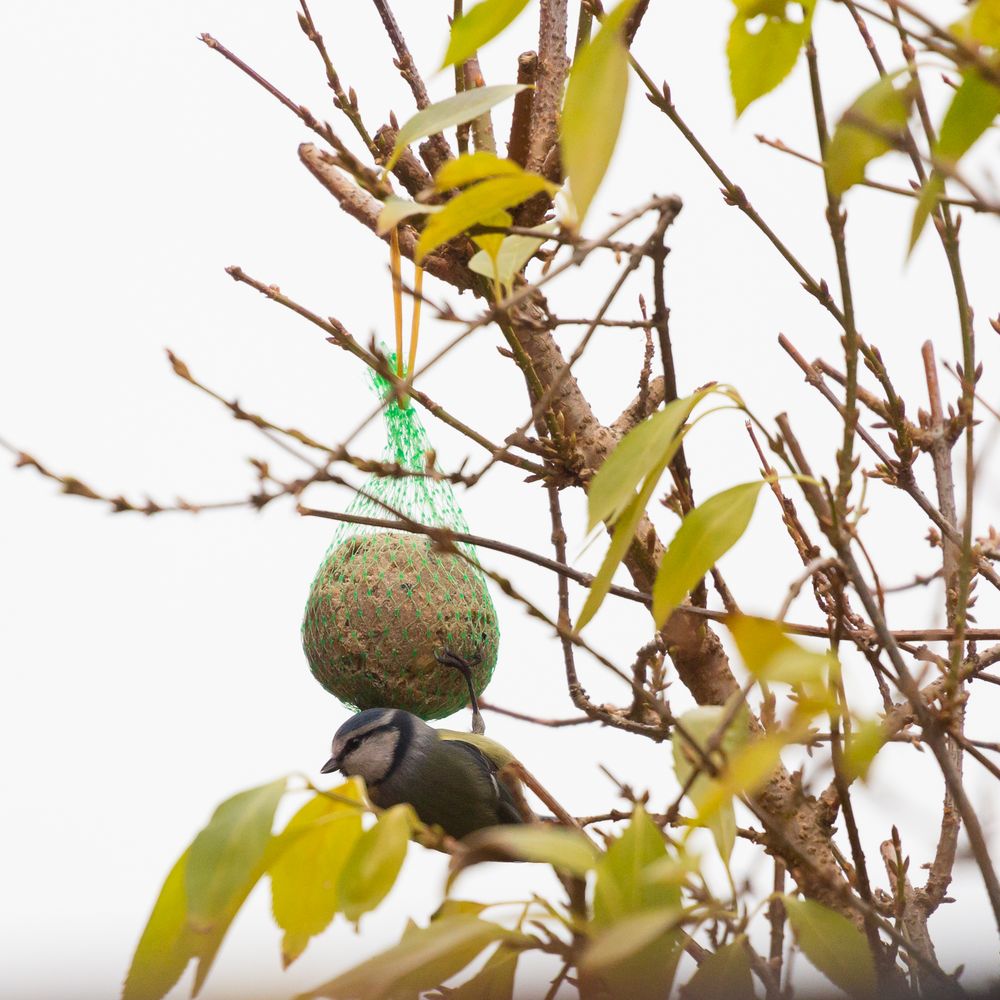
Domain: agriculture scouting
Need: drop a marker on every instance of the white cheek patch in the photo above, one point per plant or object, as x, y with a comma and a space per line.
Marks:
374, 758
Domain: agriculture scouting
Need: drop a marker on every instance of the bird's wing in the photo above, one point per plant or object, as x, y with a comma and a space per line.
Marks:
507, 810
496, 753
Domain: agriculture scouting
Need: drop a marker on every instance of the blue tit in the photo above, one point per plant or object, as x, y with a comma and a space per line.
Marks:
448, 780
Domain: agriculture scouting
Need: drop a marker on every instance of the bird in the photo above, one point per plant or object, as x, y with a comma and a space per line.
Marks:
447, 779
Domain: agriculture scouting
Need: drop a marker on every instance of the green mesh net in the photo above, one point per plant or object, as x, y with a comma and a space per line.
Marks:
384, 602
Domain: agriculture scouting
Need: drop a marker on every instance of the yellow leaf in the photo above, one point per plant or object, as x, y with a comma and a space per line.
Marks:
313, 849
476, 204
471, 167
770, 655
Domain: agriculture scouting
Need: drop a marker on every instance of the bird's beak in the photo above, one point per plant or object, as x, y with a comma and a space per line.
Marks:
333, 764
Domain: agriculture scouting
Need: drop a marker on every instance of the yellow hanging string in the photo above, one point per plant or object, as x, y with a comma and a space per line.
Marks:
397, 298
418, 285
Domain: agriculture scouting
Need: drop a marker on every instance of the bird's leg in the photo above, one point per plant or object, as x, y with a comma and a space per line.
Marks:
450, 659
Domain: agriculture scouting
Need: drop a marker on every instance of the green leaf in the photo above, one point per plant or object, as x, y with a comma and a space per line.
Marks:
855, 143
725, 973
593, 109
476, 204
926, 204
621, 887
495, 981
764, 46
313, 849
459, 907
225, 855
163, 951
701, 724
169, 942
672, 870
480, 25
834, 945
621, 541
515, 251
567, 850
451, 111
984, 23
395, 210
636, 946
638, 453
618, 485
706, 534
861, 747
374, 862
471, 167
770, 655
971, 112
621, 940
426, 957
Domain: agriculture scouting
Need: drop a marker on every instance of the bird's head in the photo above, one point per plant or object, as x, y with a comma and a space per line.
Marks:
372, 744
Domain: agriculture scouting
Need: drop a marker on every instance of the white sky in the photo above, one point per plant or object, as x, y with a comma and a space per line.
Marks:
153, 667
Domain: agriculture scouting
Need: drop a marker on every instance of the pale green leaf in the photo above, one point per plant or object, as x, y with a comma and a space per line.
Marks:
747, 769
763, 46
225, 855
621, 887
702, 725
638, 961
861, 747
476, 204
494, 981
515, 251
314, 847
926, 205
593, 109
426, 957
971, 112
471, 167
163, 951
725, 973
834, 945
706, 534
621, 940
490, 243
640, 451
567, 850
859, 136
672, 870
478, 26
395, 210
451, 111
374, 862
770, 655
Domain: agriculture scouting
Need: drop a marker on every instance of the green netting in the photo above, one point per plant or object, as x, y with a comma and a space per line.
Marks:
384, 601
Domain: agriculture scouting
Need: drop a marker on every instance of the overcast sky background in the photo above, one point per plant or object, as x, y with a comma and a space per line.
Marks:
152, 667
